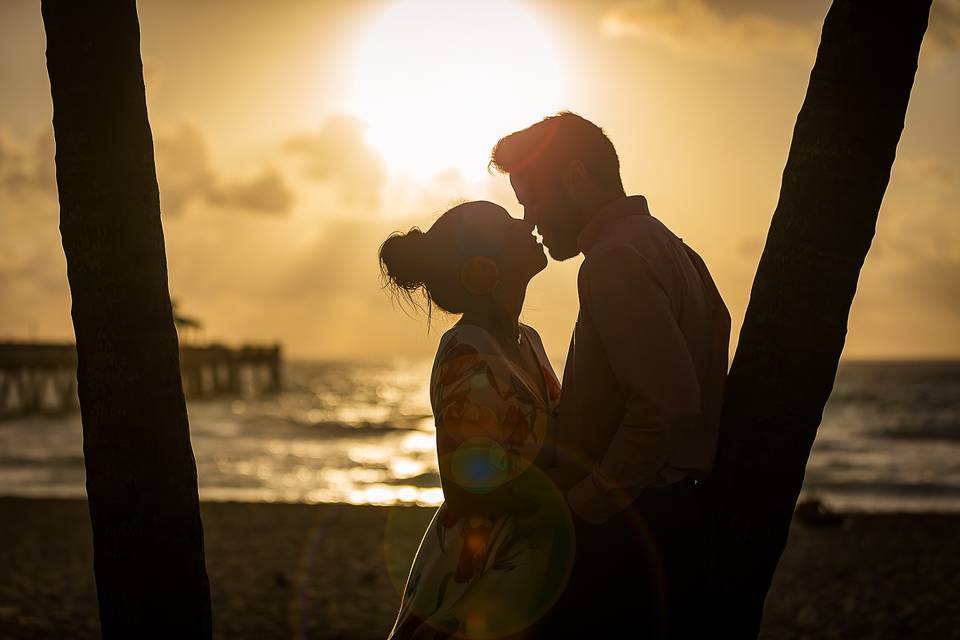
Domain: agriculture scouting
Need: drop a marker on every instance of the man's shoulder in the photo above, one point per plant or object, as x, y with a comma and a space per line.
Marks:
638, 240
646, 234
619, 266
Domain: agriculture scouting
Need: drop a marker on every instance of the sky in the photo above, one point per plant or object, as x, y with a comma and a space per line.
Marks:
292, 137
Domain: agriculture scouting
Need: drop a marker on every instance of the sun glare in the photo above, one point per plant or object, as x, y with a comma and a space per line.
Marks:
438, 82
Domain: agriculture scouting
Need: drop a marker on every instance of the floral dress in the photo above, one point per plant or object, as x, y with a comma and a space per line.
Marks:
498, 551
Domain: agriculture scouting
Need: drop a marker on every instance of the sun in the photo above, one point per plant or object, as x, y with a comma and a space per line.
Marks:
438, 82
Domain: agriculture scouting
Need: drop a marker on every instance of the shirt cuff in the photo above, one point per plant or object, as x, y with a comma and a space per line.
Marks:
589, 501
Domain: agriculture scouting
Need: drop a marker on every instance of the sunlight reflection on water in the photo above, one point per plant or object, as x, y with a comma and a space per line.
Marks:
364, 434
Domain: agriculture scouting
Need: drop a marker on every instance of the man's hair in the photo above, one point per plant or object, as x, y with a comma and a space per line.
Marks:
546, 148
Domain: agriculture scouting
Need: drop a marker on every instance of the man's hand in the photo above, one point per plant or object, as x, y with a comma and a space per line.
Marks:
590, 500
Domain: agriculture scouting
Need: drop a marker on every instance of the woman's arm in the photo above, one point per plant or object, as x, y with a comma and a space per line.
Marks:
503, 500
482, 428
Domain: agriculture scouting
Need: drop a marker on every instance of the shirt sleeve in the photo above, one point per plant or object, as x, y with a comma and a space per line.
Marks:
631, 310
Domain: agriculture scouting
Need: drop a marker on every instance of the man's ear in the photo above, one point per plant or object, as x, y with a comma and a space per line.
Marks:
577, 180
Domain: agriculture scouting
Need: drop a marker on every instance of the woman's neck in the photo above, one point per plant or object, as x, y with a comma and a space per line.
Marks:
501, 318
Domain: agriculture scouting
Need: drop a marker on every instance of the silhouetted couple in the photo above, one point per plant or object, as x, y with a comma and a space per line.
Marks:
568, 513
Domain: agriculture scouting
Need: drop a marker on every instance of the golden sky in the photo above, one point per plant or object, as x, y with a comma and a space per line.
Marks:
292, 137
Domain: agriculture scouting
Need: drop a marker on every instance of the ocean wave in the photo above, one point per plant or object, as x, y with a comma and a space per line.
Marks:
42, 461
932, 431
890, 439
278, 426
869, 398
879, 487
424, 480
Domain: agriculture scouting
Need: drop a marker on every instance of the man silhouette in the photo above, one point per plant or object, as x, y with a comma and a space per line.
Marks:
642, 386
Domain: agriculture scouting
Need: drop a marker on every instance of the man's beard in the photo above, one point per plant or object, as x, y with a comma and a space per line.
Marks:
565, 245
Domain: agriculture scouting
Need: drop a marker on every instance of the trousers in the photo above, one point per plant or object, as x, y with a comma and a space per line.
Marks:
640, 574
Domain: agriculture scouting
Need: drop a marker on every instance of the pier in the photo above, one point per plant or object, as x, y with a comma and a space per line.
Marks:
41, 378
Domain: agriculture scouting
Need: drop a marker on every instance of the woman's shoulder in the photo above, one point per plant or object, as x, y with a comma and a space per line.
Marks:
466, 337
531, 332
534, 339
463, 343
549, 375
466, 350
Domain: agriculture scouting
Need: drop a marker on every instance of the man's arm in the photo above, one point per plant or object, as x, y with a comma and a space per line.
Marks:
631, 310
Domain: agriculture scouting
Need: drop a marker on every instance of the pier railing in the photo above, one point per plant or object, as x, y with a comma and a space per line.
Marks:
42, 377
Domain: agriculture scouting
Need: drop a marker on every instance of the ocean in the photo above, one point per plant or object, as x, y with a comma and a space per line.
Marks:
364, 434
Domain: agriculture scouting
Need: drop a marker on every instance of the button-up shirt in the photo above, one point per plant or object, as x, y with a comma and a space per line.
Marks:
643, 383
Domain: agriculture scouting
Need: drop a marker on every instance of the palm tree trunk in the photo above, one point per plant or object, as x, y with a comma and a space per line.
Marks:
141, 474
837, 171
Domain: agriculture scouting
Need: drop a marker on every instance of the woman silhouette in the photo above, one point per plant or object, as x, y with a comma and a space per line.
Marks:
497, 553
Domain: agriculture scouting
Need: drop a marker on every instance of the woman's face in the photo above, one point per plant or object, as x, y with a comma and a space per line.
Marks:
494, 236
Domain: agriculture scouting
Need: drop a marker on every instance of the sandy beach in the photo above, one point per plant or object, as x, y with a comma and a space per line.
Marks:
333, 571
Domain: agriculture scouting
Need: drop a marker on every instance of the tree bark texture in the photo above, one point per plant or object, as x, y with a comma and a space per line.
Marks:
837, 170
141, 473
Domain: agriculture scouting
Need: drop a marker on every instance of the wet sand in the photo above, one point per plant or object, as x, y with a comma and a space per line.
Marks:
334, 571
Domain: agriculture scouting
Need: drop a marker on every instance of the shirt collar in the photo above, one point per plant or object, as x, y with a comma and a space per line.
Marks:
619, 208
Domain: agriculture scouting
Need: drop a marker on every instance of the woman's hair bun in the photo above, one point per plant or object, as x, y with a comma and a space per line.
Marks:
404, 259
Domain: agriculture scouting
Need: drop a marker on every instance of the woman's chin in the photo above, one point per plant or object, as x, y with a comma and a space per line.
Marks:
541, 252
541, 262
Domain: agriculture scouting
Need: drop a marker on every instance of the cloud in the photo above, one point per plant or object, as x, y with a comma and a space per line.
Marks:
266, 192
701, 27
187, 175
750, 247
944, 27
185, 172
909, 291
934, 171
712, 27
27, 169
184, 168
338, 154
33, 285
919, 229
